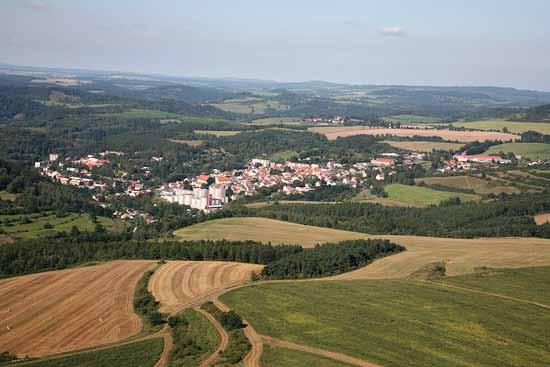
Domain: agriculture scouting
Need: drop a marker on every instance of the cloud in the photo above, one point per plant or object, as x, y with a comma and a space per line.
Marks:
393, 32
38, 5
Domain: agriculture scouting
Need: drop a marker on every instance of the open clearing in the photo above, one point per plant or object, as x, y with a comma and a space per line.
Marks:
278, 120
422, 195
178, 283
405, 322
276, 357
512, 126
423, 146
66, 310
264, 230
333, 133
533, 151
193, 143
218, 132
542, 218
480, 186
461, 255
414, 119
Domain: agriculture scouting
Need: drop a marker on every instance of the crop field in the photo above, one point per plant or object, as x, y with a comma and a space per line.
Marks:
218, 132
460, 255
401, 322
179, 282
333, 133
61, 311
542, 218
480, 186
264, 230
423, 195
193, 143
415, 119
533, 151
139, 354
38, 225
276, 357
423, 146
512, 126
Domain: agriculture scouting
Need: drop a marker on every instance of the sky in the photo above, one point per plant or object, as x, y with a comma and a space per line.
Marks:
413, 42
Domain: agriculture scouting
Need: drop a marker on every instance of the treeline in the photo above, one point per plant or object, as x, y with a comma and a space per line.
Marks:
534, 137
510, 217
145, 304
329, 259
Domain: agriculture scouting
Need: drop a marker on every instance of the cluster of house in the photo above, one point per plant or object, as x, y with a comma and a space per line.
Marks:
211, 192
326, 120
463, 162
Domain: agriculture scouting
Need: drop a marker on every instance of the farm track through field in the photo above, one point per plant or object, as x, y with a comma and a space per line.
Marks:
224, 339
168, 344
491, 294
320, 352
62, 311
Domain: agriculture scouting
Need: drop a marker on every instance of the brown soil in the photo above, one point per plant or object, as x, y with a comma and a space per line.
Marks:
61, 311
224, 339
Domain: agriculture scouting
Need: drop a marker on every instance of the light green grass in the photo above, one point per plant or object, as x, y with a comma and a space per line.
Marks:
278, 120
36, 228
423, 195
513, 127
423, 146
135, 113
281, 357
250, 106
400, 322
533, 151
140, 354
416, 119
284, 155
218, 132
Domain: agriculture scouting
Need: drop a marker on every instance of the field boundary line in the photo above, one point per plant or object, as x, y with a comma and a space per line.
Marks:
497, 295
320, 352
168, 344
224, 338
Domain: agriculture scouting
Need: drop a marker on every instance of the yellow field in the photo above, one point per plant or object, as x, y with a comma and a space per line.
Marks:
264, 230
542, 218
193, 143
423, 146
514, 127
462, 256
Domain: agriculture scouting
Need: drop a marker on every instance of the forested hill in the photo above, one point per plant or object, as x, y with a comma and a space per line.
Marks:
537, 114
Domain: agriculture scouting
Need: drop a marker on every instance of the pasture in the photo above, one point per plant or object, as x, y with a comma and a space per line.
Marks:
66, 310
478, 185
413, 119
264, 230
247, 106
532, 151
218, 133
422, 195
39, 225
278, 121
177, 283
512, 126
333, 133
276, 357
423, 146
192, 143
401, 322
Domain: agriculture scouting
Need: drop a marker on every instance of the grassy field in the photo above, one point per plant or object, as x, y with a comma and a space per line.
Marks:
8, 196
277, 357
416, 119
264, 230
400, 322
423, 146
283, 156
423, 195
480, 186
193, 143
366, 197
533, 151
514, 127
278, 120
135, 113
138, 354
218, 132
39, 224
250, 106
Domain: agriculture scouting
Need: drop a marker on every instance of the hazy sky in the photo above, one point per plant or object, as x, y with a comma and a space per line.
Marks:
469, 42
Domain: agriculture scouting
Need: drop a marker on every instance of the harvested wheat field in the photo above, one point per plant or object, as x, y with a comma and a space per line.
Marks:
179, 283
541, 219
66, 310
461, 256
461, 136
264, 230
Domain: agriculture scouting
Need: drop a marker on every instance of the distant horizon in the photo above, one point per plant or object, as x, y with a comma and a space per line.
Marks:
244, 79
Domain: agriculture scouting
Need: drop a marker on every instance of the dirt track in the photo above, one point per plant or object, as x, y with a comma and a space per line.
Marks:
320, 352
61, 311
178, 283
224, 339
